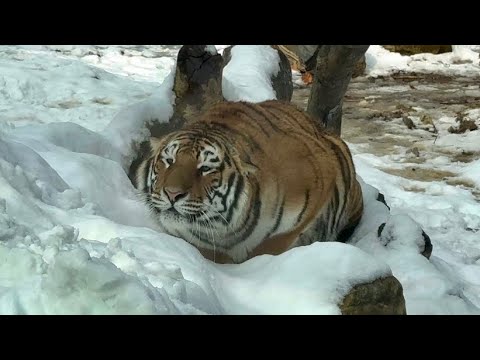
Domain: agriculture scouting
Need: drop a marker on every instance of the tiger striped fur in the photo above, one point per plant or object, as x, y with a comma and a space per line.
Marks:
247, 179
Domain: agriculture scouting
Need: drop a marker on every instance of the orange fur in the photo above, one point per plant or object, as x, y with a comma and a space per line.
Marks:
287, 180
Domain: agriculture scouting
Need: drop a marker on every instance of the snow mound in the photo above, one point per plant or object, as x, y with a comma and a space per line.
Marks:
129, 127
247, 75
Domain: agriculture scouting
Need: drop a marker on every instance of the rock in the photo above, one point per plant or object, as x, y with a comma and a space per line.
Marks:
381, 198
463, 125
426, 250
380, 297
418, 49
409, 123
282, 82
414, 151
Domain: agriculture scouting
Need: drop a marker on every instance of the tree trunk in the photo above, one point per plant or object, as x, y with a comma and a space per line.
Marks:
197, 85
335, 65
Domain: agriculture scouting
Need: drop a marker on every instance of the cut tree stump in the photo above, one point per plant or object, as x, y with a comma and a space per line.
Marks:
334, 69
197, 85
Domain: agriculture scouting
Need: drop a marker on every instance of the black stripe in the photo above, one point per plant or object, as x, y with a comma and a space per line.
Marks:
288, 115
236, 196
325, 221
265, 114
230, 181
336, 198
345, 170
251, 119
251, 221
198, 235
221, 167
347, 232
346, 178
344, 163
271, 113
307, 197
278, 219
145, 174
246, 139
333, 211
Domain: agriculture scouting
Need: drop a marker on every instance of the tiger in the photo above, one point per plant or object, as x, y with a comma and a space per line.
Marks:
247, 179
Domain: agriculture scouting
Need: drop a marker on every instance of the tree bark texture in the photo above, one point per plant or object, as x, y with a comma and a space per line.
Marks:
334, 69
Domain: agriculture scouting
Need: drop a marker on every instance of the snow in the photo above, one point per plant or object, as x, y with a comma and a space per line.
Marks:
211, 49
438, 286
221, 48
247, 75
275, 286
297, 79
101, 254
472, 172
128, 129
40, 87
462, 61
75, 239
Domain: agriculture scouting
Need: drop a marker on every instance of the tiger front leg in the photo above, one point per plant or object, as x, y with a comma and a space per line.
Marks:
275, 245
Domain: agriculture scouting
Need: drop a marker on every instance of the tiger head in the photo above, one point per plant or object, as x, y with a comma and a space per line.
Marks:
195, 180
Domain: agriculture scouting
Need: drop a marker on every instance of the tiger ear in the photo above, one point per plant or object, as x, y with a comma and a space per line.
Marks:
155, 143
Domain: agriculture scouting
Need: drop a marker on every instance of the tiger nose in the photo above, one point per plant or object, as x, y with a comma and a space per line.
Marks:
175, 194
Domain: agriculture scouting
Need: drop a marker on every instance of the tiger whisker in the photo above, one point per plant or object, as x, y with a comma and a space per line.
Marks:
215, 211
213, 238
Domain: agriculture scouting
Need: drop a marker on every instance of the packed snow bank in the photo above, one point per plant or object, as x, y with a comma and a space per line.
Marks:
129, 127
248, 74
461, 61
74, 284
306, 280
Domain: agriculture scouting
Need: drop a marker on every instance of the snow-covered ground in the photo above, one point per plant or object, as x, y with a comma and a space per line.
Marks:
463, 60
74, 237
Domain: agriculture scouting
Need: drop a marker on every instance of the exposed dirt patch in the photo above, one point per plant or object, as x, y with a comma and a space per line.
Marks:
420, 174
398, 116
68, 104
102, 101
